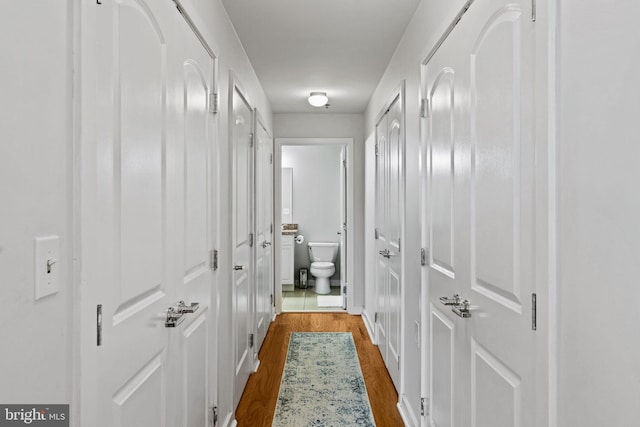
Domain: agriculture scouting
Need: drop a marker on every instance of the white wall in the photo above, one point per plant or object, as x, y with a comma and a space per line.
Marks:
328, 125
35, 198
316, 197
598, 213
427, 25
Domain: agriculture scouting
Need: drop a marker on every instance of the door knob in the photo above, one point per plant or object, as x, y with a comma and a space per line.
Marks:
451, 301
462, 310
385, 253
238, 267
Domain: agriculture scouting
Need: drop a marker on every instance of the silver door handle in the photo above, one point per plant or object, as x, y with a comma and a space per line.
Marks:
451, 301
462, 310
385, 253
186, 309
238, 267
174, 318
265, 244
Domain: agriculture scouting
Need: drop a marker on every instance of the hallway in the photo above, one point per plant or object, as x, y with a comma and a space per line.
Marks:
492, 220
258, 402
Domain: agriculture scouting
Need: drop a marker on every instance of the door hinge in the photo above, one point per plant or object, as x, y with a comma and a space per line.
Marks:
250, 240
399, 246
423, 256
424, 406
534, 12
271, 299
344, 164
534, 312
377, 234
213, 102
271, 228
270, 159
250, 140
250, 340
424, 108
344, 289
213, 416
99, 325
375, 317
377, 150
213, 259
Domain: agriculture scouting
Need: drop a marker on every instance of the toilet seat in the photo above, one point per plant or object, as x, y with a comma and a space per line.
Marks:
321, 265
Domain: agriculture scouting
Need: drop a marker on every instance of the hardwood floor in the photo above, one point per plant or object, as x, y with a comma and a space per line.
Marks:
258, 403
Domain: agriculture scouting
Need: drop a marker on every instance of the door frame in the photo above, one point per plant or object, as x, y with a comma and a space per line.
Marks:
277, 218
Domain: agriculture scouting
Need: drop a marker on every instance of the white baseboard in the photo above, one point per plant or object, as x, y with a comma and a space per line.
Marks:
229, 421
370, 325
355, 310
408, 415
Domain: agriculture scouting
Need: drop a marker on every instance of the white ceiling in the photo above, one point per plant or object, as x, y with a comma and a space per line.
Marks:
341, 47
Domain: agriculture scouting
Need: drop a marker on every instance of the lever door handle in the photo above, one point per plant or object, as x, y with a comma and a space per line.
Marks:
186, 309
238, 267
462, 310
451, 301
174, 318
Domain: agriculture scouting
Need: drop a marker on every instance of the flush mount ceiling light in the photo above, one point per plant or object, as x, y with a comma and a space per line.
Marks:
318, 99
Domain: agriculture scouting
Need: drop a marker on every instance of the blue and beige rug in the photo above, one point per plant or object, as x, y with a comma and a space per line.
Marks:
322, 383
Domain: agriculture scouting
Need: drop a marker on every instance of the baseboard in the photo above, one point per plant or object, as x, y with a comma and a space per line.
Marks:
407, 414
355, 310
256, 365
370, 325
229, 421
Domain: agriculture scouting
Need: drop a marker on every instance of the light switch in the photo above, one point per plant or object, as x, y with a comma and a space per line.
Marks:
47, 265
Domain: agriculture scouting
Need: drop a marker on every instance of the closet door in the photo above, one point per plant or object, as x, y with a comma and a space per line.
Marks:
242, 238
145, 216
264, 232
389, 133
481, 220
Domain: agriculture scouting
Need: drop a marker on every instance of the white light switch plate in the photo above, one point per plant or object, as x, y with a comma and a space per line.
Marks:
47, 265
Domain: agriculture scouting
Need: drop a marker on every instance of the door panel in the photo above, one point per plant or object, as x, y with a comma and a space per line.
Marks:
389, 134
442, 385
264, 232
480, 194
242, 124
147, 204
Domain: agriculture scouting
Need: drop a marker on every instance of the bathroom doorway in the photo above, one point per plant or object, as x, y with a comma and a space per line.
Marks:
313, 181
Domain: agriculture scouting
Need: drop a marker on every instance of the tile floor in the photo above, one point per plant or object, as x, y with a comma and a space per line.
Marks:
306, 300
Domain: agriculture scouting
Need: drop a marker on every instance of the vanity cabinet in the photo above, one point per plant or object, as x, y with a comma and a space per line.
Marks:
287, 266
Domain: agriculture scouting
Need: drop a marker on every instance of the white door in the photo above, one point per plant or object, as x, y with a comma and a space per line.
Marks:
146, 206
342, 231
264, 295
242, 140
388, 226
480, 193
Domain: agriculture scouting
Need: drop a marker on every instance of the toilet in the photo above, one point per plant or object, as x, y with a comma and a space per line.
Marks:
322, 255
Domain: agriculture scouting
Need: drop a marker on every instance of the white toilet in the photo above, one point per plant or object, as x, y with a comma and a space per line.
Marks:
322, 255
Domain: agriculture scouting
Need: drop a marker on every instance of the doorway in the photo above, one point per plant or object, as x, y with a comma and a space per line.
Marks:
313, 179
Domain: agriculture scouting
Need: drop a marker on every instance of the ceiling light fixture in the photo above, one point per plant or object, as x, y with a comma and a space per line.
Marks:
318, 99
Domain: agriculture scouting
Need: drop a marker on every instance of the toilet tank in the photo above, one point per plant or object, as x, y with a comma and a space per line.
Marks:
323, 251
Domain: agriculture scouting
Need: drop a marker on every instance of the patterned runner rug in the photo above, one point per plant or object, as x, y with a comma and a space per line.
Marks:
322, 383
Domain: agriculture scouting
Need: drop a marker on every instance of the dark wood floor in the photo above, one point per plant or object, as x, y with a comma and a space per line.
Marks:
258, 403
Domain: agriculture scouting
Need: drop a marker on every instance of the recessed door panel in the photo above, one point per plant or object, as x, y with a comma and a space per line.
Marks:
140, 402
495, 391
195, 372
197, 154
442, 172
496, 164
441, 343
139, 138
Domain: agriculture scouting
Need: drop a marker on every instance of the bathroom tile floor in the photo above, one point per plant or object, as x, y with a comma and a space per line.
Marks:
306, 300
